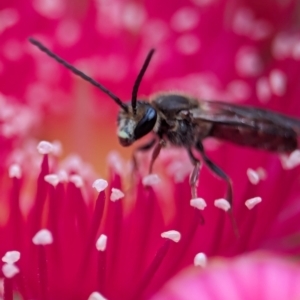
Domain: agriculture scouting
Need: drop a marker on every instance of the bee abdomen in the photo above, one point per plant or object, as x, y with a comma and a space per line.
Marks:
271, 139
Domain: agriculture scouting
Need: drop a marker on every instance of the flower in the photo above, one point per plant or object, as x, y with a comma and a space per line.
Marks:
255, 276
210, 49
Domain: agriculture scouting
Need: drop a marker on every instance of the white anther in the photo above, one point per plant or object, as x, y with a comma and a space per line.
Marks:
172, 235
222, 204
11, 257
15, 171
101, 242
116, 194
250, 203
278, 81
10, 270
96, 296
151, 180
45, 147
198, 203
200, 260
52, 179
100, 185
43, 237
290, 161
77, 180
62, 176
253, 176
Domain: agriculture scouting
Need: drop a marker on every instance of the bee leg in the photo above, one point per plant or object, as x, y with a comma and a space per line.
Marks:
142, 148
155, 153
220, 173
195, 174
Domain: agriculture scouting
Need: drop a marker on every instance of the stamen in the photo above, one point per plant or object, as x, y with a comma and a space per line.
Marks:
151, 180
15, 171
200, 260
278, 82
77, 180
172, 235
116, 194
101, 242
45, 147
52, 179
222, 204
198, 203
291, 161
63, 176
96, 296
253, 176
250, 203
10, 270
11, 257
43, 237
100, 185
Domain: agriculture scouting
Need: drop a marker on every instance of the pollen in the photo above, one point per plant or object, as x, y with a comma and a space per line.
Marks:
100, 185
173, 235
253, 176
77, 180
198, 203
10, 270
43, 237
45, 147
101, 242
116, 194
250, 203
52, 179
200, 260
222, 204
15, 171
151, 179
96, 296
11, 257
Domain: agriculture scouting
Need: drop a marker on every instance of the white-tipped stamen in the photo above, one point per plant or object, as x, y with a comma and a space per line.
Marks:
100, 185
11, 257
250, 203
151, 180
63, 176
200, 260
198, 203
173, 235
43, 237
253, 176
278, 82
116, 194
77, 180
222, 204
96, 296
15, 171
101, 242
293, 160
52, 179
10, 270
45, 147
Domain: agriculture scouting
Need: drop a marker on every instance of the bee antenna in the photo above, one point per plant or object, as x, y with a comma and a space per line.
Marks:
139, 79
78, 73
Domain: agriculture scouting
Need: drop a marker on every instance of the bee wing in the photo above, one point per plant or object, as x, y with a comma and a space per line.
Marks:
231, 114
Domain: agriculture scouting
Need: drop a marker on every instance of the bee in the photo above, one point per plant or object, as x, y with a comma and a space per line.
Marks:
185, 121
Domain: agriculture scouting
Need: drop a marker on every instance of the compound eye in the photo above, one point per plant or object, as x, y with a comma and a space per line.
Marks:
146, 124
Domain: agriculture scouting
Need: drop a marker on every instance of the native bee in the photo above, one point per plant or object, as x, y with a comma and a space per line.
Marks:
184, 121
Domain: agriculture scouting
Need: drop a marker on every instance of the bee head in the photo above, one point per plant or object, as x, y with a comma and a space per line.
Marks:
135, 119
133, 126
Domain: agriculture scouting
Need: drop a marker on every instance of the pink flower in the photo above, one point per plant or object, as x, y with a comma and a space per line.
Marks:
213, 50
249, 277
